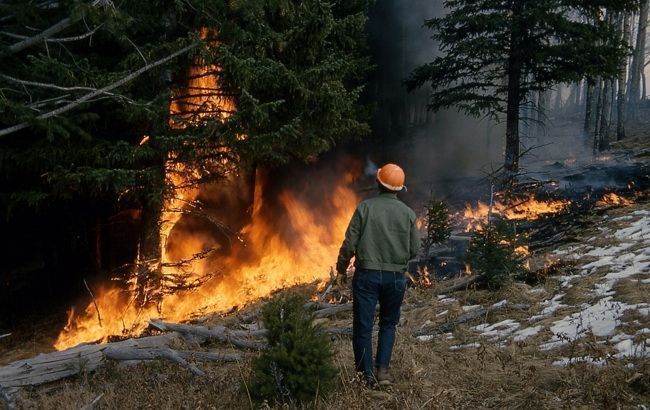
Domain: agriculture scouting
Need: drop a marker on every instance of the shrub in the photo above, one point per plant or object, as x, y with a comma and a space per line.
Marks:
491, 253
436, 223
297, 366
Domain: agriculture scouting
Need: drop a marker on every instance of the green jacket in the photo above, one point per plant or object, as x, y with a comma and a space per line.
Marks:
381, 235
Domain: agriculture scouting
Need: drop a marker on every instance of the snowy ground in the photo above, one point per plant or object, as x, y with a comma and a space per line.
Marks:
606, 299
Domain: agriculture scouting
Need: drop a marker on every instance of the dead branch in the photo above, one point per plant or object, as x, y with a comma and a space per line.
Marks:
346, 307
459, 286
99, 316
56, 40
103, 90
93, 404
219, 333
5, 335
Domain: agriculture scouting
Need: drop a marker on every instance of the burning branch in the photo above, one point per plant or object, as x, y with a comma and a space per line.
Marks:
99, 317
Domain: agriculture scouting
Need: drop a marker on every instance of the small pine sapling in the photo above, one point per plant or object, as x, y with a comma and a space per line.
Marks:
491, 253
297, 366
437, 224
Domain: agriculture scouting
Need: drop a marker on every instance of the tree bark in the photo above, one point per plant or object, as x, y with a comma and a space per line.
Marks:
589, 103
622, 82
603, 135
514, 93
599, 112
638, 60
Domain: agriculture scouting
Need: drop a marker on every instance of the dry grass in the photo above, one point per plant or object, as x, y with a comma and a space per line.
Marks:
429, 374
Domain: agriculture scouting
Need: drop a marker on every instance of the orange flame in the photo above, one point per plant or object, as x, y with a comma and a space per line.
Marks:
529, 208
611, 199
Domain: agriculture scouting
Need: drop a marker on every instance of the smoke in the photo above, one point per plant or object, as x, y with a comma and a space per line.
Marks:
442, 151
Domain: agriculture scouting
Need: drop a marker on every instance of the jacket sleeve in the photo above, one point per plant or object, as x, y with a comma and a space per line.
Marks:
349, 247
414, 240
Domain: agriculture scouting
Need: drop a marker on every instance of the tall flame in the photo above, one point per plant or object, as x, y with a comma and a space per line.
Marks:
265, 262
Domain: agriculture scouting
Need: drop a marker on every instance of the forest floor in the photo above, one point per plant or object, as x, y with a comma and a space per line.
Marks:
581, 343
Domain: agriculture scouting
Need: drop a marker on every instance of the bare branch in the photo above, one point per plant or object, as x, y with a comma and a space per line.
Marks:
55, 40
95, 93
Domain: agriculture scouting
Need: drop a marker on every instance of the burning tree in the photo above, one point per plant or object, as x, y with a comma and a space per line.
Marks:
88, 139
496, 52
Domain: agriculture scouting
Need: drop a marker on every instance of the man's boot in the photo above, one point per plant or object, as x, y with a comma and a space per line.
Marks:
384, 377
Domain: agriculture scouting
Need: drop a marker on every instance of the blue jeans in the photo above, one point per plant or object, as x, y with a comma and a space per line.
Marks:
369, 287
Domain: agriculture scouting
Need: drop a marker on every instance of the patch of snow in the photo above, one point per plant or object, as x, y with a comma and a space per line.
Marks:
601, 319
447, 301
525, 333
425, 338
469, 345
629, 349
537, 290
440, 297
550, 307
444, 312
471, 307
566, 361
497, 330
499, 304
637, 230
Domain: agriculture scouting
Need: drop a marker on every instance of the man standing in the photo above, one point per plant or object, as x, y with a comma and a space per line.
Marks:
382, 237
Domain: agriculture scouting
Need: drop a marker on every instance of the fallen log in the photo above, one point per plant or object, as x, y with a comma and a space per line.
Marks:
219, 333
49, 367
346, 307
129, 353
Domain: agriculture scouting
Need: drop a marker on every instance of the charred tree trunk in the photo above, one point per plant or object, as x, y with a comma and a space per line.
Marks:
622, 82
638, 60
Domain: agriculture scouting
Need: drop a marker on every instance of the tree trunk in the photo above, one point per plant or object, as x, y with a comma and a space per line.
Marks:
515, 70
557, 105
589, 103
541, 116
638, 61
603, 140
599, 112
620, 100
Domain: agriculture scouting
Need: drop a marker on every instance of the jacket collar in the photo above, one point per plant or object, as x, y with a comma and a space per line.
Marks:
388, 195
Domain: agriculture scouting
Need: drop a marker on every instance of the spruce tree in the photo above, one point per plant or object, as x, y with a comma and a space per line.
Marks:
297, 367
495, 53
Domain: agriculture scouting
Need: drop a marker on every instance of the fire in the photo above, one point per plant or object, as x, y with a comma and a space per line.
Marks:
296, 244
528, 208
611, 199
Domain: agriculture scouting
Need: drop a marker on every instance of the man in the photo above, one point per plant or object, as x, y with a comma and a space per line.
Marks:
382, 237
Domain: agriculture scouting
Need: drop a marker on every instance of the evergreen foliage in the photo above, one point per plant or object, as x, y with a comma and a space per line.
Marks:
298, 363
491, 253
291, 66
436, 223
496, 52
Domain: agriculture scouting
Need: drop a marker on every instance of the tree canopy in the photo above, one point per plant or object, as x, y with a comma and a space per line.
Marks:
82, 83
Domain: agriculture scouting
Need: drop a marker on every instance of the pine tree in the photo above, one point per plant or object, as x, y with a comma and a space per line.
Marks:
298, 363
531, 44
